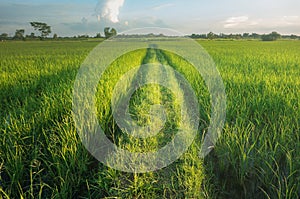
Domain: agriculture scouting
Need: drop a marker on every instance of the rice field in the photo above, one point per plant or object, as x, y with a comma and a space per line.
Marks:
256, 156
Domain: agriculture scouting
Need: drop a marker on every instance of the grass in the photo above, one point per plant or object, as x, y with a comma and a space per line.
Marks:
257, 156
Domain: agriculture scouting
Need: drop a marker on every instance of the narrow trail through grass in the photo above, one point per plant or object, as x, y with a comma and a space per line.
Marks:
184, 177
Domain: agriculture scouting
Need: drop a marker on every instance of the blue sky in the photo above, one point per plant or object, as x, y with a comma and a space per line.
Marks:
74, 17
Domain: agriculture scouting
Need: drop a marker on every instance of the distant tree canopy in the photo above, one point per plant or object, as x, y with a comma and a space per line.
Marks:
212, 35
3, 36
109, 32
43, 28
98, 35
246, 35
293, 36
271, 37
266, 37
19, 34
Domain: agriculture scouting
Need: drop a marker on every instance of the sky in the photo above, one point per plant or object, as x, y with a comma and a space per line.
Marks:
75, 17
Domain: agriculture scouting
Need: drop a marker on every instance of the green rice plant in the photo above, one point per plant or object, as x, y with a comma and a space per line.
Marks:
257, 155
262, 82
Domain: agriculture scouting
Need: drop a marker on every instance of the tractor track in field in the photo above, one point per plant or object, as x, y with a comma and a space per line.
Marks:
157, 94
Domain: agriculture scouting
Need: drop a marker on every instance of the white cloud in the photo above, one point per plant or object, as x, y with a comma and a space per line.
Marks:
109, 9
283, 24
235, 21
291, 20
158, 7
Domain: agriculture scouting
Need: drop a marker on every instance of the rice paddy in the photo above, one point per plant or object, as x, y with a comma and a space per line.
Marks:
256, 156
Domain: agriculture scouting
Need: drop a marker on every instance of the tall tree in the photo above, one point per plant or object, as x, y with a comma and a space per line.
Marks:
19, 34
109, 32
43, 28
211, 35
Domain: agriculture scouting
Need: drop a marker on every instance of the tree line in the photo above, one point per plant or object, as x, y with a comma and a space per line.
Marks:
273, 36
44, 31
